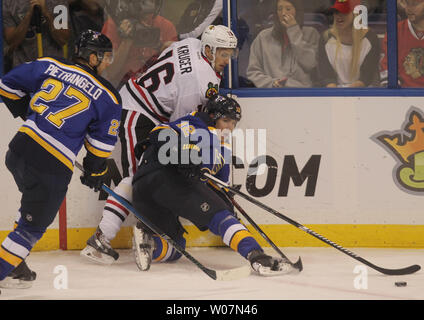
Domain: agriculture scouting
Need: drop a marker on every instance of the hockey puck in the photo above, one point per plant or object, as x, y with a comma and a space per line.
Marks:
400, 284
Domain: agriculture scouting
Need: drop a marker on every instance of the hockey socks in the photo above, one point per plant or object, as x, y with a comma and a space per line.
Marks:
165, 252
17, 246
233, 233
114, 213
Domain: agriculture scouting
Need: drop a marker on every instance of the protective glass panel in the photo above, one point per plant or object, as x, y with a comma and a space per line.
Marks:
310, 43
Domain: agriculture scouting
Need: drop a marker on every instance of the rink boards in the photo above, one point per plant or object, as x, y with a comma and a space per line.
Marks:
350, 168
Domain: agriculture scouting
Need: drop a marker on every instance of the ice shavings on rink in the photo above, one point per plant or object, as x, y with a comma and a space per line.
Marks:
327, 274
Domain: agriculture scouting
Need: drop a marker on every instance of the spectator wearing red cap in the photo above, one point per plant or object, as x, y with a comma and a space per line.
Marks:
410, 47
348, 55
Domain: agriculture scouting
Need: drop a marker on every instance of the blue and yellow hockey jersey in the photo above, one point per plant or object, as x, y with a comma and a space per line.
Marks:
195, 131
67, 105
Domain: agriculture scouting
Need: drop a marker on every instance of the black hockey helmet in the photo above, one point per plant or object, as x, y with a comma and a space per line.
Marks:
221, 106
90, 42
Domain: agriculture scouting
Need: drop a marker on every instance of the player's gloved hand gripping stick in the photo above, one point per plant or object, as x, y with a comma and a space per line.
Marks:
403, 271
224, 275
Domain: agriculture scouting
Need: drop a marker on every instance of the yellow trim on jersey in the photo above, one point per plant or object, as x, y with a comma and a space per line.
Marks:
213, 130
9, 95
226, 145
10, 258
161, 127
164, 249
240, 235
96, 152
99, 174
48, 147
86, 73
215, 186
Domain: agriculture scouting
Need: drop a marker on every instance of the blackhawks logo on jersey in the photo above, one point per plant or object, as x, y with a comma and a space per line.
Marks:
212, 90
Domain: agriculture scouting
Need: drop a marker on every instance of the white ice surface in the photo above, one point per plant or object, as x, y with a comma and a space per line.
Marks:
328, 274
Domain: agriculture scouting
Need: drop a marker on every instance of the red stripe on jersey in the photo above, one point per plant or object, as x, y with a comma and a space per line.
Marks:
131, 155
119, 206
163, 119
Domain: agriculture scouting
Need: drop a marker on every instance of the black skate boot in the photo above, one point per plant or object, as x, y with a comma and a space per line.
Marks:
143, 246
98, 249
20, 278
266, 265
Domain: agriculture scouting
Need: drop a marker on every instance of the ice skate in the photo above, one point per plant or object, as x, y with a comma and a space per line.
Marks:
20, 278
143, 246
98, 249
266, 265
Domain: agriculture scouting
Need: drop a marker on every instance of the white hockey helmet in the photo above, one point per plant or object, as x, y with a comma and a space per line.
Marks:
218, 36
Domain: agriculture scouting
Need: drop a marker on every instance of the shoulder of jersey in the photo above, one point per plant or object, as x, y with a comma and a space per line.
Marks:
192, 42
87, 71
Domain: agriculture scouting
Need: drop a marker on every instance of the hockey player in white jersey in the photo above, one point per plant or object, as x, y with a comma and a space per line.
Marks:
183, 78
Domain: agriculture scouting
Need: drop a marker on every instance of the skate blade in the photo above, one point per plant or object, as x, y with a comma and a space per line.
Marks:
142, 258
267, 272
96, 256
10, 283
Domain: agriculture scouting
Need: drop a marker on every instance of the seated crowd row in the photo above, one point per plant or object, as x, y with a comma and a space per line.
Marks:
289, 52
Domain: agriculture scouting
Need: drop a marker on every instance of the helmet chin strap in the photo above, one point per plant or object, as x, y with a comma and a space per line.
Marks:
99, 61
213, 51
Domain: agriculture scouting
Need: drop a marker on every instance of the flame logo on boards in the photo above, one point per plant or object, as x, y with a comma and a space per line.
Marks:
407, 147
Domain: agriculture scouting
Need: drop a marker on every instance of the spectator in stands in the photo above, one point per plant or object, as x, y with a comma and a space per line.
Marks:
197, 16
138, 34
20, 32
410, 47
401, 10
285, 54
86, 15
348, 56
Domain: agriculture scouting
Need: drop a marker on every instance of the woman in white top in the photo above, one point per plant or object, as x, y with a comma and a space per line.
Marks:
348, 56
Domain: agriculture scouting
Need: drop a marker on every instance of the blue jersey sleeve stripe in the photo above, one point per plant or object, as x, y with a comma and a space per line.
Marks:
10, 93
99, 145
81, 71
95, 151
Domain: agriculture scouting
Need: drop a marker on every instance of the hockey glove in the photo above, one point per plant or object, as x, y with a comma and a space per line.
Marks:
95, 170
94, 180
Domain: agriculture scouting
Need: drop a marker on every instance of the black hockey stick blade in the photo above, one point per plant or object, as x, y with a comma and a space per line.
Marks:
221, 275
391, 272
298, 265
401, 271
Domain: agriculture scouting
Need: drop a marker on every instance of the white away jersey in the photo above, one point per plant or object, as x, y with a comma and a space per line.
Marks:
180, 80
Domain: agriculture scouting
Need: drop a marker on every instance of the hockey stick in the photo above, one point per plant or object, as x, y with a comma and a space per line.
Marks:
403, 271
222, 275
298, 265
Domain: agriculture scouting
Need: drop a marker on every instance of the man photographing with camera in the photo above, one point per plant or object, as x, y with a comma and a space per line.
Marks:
138, 34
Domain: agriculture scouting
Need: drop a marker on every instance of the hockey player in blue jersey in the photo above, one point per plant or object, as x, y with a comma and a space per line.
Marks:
65, 105
169, 183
